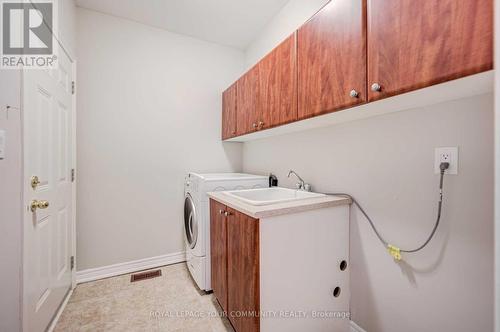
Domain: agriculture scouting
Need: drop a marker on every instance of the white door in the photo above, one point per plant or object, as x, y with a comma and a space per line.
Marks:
48, 148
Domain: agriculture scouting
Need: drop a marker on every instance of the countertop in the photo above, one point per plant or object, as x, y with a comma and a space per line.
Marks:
272, 210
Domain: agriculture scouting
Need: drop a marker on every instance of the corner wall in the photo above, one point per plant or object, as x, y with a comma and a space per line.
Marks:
149, 106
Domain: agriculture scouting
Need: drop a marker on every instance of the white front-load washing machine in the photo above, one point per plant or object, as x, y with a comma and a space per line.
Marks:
197, 216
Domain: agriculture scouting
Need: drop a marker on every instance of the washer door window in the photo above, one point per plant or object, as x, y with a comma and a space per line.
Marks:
190, 221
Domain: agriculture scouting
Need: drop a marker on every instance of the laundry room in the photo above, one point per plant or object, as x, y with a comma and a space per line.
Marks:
249, 166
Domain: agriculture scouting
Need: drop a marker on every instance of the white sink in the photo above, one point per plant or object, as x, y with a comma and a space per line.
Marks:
274, 195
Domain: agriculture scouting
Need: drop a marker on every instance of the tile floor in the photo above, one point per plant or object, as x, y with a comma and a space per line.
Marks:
171, 302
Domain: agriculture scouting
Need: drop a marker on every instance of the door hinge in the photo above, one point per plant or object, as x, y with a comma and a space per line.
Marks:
72, 175
72, 87
72, 262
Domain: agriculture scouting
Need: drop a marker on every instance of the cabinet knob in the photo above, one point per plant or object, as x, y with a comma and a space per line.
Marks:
261, 124
254, 125
227, 213
354, 94
376, 87
221, 211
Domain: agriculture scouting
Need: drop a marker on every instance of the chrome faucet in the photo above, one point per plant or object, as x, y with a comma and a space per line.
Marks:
301, 185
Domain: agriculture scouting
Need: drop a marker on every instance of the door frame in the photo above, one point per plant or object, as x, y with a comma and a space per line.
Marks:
25, 180
73, 167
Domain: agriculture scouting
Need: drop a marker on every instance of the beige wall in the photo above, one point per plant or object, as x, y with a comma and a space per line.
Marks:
387, 163
149, 106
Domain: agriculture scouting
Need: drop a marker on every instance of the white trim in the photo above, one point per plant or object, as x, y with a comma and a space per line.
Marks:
74, 185
356, 328
59, 312
129, 267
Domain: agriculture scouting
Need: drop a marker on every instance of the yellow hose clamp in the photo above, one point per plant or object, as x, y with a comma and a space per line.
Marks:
395, 252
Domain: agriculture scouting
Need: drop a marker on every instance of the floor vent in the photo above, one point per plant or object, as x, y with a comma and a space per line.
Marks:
145, 275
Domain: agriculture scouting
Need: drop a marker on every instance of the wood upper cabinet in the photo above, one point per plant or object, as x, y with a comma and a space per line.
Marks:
229, 112
278, 85
218, 251
248, 108
331, 55
414, 44
355, 51
243, 270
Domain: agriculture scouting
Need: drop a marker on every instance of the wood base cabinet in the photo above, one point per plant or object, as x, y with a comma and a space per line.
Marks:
218, 251
243, 271
282, 273
234, 242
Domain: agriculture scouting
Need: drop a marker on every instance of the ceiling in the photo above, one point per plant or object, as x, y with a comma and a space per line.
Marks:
233, 23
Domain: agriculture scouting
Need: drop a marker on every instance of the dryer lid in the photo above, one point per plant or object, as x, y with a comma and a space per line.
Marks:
227, 176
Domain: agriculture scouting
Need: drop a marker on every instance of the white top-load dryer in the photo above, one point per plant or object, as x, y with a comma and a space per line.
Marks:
197, 216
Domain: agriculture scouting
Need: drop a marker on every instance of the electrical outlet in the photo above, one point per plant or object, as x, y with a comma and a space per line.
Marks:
448, 155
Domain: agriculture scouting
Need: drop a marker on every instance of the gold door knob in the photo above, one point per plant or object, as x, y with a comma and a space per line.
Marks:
261, 124
38, 205
35, 181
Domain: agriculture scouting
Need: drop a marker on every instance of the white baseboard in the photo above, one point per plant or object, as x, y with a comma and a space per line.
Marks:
129, 267
356, 328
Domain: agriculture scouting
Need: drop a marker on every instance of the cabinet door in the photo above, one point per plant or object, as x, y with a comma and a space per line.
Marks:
229, 112
243, 270
248, 102
278, 85
414, 44
331, 49
218, 251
